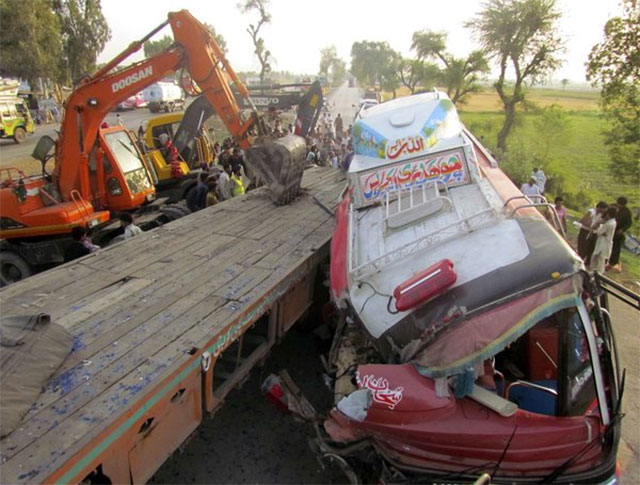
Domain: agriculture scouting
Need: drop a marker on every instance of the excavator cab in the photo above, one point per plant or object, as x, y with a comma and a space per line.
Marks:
121, 171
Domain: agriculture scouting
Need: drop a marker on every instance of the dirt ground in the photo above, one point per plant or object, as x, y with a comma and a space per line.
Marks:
627, 328
249, 440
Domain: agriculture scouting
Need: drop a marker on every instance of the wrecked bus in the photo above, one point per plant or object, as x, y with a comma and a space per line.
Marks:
470, 339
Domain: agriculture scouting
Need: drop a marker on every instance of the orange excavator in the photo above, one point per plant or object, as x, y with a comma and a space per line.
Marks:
100, 170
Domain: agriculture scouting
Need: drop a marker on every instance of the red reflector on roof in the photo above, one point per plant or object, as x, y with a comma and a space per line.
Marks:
425, 285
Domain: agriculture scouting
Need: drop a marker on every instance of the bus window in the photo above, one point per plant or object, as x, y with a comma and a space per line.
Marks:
579, 387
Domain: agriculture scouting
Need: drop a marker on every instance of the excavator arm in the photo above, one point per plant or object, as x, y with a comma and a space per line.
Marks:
195, 50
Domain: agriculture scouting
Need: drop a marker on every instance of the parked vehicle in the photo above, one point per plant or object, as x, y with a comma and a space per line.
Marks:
365, 104
15, 120
163, 96
132, 102
470, 337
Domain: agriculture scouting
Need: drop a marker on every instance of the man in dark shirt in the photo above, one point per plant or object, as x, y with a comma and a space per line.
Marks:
623, 223
77, 248
237, 160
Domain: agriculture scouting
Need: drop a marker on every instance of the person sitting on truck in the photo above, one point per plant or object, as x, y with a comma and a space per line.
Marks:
130, 229
81, 245
237, 184
237, 159
201, 191
212, 195
224, 183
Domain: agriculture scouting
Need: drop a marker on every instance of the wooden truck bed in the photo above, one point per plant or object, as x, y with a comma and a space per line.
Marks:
164, 325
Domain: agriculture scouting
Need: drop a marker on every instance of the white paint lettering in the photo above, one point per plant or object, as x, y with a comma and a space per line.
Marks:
132, 79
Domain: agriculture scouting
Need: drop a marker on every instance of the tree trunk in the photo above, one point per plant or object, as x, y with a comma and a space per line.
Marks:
509, 121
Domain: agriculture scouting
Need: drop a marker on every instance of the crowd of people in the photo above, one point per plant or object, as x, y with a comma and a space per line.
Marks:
602, 228
329, 144
602, 234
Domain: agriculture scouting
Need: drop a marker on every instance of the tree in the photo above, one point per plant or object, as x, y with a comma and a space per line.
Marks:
222, 43
264, 55
338, 71
410, 73
153, 47
30, 44
614, 64
565, 83
327, 57
389, 62
85, 32
521, 36
459, 76
330, 62
373, 63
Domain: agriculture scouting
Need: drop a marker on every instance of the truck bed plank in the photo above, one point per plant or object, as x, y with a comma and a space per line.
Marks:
137, 309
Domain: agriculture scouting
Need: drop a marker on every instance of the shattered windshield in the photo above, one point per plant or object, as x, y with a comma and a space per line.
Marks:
124, 151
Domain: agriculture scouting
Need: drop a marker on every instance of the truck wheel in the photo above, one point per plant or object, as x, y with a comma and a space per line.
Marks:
19, 135
13, 268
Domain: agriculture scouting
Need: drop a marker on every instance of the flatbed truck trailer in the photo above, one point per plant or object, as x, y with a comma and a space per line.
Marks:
165, 325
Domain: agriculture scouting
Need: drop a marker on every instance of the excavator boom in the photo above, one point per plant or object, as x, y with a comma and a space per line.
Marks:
195, 50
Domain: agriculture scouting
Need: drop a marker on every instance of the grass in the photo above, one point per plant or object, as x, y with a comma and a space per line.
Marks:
487, 99
580, 158
576, 165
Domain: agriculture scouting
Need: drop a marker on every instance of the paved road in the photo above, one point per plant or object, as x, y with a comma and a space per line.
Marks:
12, 155
342, 100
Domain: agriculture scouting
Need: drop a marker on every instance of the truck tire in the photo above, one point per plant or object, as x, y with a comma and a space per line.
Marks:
19, 135
13, 268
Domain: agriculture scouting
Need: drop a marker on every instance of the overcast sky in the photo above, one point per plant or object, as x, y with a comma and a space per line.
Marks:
301, 28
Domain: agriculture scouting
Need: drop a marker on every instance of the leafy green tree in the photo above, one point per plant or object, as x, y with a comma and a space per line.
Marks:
459, 76
410, 73
30, 43
85, 32
552, 128
264, 17
565, 83
614, 64
389, 80
154, 47
327, 57
338, 71
521, 36
330, 62
374, 63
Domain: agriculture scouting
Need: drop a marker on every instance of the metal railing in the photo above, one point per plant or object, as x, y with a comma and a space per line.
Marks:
424, 196
443, 234
620, 292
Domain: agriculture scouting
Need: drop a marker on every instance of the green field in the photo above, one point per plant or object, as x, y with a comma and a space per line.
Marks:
575, 161
580, 158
